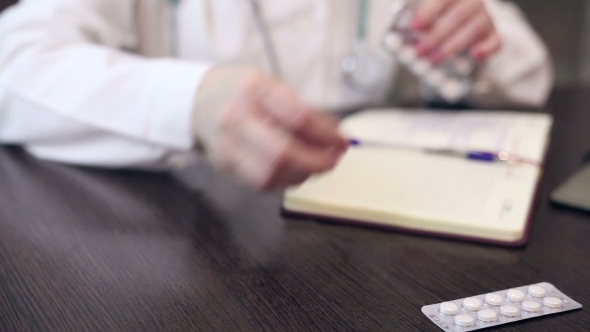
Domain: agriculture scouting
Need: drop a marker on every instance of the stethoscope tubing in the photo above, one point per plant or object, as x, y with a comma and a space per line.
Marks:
267, 42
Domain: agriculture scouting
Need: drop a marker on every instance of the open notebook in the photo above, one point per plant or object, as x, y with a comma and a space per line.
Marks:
395, 184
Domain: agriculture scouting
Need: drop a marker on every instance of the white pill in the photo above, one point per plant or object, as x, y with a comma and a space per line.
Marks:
405, 19
531, 306
449, 309
407, 54
420, 67
536, 291
463, 66
451, 90
464, 321
509, 311
471, 304
494, 300
515, 295
435, 77
552, 302
487, 315
394, 42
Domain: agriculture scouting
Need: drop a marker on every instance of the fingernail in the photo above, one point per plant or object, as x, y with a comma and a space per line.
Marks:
436, 56
422, 48
478, 55
417, 24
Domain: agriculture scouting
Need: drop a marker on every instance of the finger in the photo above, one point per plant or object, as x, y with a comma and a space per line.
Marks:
285, 106
428, 12
281, 148
448, 23
280, 158
487, 47
241, 158
289, 177
468, 35
248, 171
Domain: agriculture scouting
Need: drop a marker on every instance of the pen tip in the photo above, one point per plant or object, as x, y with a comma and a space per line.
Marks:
354, 142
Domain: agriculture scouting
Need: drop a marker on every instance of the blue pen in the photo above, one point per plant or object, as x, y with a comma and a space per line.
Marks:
483, 156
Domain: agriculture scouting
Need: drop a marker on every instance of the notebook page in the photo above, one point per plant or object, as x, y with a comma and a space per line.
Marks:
522, 134
420, 191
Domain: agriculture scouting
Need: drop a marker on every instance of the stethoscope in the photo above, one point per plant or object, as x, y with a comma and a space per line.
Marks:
363, 69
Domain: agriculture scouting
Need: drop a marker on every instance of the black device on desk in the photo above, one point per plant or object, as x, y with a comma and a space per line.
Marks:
574, 192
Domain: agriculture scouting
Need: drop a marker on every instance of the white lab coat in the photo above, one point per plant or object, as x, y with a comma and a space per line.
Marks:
112, 82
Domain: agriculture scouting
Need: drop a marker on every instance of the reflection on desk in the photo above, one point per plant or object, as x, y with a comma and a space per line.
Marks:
93, 250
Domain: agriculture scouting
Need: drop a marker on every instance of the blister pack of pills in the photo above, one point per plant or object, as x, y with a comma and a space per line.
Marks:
501, 307
450, 79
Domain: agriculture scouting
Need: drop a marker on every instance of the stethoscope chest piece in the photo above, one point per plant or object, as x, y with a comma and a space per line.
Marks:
363, 69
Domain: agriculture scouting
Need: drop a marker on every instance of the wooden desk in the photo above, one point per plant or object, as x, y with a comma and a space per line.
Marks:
95, 250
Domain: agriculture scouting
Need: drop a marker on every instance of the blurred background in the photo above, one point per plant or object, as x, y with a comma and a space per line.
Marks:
565, 27
563, 24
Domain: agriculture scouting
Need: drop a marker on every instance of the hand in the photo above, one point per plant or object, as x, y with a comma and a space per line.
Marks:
257, 129
453, 26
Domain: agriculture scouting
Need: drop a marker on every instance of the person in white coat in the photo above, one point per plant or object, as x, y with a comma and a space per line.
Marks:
148, 83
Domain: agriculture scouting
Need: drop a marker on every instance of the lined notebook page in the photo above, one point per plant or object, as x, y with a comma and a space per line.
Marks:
421, 191
522, 134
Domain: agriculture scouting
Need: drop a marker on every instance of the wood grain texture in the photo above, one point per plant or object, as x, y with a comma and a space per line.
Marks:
93, 250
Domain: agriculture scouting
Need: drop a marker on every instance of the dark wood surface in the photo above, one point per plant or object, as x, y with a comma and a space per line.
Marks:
94, 250
6, 3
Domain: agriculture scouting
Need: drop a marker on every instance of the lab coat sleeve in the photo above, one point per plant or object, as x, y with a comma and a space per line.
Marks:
521, 73
70, 92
